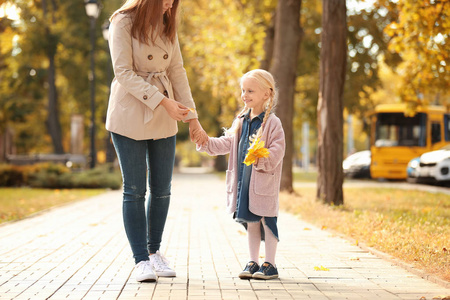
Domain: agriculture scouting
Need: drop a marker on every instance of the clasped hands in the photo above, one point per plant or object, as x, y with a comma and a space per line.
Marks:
196, 132
178, 111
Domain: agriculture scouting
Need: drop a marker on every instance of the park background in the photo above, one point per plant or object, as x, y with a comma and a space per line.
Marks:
52, 93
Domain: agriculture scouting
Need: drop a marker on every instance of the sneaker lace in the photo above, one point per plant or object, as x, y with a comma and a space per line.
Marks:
145, 267
161, 262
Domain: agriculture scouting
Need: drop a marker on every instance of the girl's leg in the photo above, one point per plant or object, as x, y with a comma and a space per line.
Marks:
161, 158
254, 239
271, 243
132, 156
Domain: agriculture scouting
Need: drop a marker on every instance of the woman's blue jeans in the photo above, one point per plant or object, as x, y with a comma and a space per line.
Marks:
144, 229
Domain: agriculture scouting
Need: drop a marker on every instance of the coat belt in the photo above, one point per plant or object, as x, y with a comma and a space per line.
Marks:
148, 76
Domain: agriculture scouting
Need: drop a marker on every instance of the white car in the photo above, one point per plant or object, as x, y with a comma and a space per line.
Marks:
357, 165
435, 165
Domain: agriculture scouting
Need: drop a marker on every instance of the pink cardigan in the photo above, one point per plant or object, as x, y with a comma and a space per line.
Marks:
266, 173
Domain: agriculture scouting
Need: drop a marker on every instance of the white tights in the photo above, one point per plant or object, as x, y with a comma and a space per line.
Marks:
254, 241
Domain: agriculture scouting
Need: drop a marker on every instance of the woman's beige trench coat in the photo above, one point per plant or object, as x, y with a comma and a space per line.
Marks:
144, 74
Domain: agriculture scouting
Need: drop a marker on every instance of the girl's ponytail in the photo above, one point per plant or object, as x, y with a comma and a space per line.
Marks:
270, 105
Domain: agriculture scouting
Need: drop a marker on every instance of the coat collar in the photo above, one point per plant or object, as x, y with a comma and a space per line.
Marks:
260, 116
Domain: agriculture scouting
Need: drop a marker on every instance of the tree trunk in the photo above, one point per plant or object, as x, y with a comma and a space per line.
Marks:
53, 123
333, 58
284, 66
268, 44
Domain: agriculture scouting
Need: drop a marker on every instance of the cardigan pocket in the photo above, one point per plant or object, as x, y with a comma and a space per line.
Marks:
264, 184
230, 180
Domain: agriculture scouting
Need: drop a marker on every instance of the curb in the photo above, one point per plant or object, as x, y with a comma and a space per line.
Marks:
419, 272
409, 267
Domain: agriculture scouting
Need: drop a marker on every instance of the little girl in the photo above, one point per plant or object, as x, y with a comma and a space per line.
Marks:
252, 190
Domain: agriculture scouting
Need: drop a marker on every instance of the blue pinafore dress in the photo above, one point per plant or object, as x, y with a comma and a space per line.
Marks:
243, 215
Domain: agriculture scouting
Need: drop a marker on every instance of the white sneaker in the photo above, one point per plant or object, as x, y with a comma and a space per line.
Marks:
161, 265
144, 272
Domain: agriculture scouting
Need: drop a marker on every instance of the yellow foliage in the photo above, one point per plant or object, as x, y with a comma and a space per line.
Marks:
419, 36
220, 43
256, 151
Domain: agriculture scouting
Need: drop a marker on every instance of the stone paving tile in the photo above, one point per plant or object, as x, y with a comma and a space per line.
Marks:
79, 251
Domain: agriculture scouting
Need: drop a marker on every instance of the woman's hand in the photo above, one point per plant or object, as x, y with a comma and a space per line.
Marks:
196, 132
176, 110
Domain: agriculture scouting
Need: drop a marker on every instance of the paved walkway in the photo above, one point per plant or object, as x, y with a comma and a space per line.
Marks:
79, 251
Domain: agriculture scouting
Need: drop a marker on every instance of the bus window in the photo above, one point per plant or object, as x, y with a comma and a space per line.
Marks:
395, 129
435, 133
447, 127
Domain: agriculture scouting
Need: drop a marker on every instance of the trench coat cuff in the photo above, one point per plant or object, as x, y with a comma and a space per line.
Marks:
191, 115
154, 100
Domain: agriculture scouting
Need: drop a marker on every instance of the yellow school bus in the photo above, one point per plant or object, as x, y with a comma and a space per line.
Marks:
395, 139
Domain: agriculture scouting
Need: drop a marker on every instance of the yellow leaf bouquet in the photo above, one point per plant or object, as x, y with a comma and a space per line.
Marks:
256, 151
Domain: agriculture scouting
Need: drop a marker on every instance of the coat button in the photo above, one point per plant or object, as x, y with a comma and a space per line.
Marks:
166, 56
150, 57
145, 97
166, 93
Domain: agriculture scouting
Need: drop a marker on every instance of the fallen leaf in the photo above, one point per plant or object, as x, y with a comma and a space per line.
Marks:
321, 268
306, 228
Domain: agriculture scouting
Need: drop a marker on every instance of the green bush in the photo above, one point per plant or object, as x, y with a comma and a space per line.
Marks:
58, 176
95, 178
11, 175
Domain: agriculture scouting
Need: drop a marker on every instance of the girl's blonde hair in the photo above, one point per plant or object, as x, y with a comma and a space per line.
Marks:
265, 81
146, 19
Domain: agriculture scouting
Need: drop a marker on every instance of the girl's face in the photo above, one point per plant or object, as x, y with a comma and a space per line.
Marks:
253, 95
167, 4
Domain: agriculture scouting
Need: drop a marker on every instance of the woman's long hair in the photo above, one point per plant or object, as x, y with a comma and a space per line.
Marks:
147, 18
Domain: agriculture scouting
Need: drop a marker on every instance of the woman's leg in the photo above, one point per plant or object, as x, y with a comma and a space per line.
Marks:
161, 158
254, 239
271, 243
132, 156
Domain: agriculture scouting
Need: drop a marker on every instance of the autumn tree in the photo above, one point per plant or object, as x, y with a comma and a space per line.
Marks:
60, 30
367, 50
333, 58
284, 69
420, 37
219, 44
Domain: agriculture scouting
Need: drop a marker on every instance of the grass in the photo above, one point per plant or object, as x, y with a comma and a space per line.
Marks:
308, 176
410, 225
18, 203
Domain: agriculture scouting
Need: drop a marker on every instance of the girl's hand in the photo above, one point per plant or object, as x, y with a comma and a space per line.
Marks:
176, 110
196, 132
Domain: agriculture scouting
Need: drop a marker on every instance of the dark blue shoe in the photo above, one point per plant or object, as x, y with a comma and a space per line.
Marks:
267, 271
249, 270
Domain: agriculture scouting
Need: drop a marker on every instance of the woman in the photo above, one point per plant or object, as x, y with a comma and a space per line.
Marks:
149, 94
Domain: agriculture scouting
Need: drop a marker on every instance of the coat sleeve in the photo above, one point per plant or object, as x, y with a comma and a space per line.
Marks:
275, 143
178, 77
120, 43
217, 146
